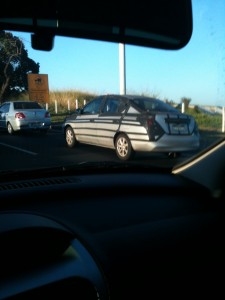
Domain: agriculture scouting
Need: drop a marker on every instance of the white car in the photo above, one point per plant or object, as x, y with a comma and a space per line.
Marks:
24, 115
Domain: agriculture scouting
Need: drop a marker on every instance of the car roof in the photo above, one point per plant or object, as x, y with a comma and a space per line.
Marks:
131, 96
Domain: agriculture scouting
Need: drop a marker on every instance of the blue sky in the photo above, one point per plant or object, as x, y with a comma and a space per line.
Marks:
195, 72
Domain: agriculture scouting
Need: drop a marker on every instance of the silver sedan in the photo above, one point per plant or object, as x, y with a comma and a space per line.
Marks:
130, 124
24, 115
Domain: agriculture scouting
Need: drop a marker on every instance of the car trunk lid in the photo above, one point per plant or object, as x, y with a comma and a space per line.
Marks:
176, 124
34, 114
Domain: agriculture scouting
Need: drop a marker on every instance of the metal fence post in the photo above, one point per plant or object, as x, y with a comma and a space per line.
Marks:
68, 105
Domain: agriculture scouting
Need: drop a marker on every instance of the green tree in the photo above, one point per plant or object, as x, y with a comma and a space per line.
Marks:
14, 66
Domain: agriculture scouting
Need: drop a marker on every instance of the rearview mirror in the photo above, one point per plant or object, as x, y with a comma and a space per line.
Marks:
165, 24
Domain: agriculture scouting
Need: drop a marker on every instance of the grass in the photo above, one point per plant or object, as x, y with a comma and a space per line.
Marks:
58, 118
206, 121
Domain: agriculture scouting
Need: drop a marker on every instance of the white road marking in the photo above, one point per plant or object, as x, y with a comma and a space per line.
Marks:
19, 149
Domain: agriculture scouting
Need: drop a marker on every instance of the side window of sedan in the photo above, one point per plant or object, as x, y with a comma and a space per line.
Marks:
111, 106
93, 107
4, 108
122, 106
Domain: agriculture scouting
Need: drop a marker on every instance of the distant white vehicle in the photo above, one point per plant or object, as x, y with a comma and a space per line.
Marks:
23, 116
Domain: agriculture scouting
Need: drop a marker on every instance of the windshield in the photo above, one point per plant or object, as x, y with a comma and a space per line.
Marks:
26, 105
153, 105
174, 107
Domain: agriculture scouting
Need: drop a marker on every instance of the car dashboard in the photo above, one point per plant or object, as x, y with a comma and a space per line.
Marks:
114, 235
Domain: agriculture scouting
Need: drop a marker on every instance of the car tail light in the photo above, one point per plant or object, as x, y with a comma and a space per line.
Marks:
20, 115
154, 129
150, 122
47, 115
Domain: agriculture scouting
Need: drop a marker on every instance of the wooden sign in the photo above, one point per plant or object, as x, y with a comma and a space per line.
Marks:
38, 87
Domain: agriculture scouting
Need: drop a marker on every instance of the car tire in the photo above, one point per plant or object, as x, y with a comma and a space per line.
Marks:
70, 137
123, 147
10, 129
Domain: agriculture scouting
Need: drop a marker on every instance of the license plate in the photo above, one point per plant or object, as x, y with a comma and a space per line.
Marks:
179, 128
35, 125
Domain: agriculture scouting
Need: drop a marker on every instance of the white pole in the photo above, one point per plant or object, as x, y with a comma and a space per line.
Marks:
182, 107
76, 104
69, 105
223, 119
84, 101
122, 69
56, 108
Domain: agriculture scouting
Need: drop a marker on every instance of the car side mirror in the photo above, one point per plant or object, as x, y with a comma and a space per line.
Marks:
78, 111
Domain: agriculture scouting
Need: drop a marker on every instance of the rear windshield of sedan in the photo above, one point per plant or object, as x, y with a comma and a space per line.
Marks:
26, 105
153, 105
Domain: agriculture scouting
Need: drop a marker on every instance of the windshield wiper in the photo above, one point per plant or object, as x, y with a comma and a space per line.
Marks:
82, 167
111, 166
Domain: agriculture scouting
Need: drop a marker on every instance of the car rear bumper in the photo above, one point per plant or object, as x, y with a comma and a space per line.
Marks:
168, 143
37, 125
